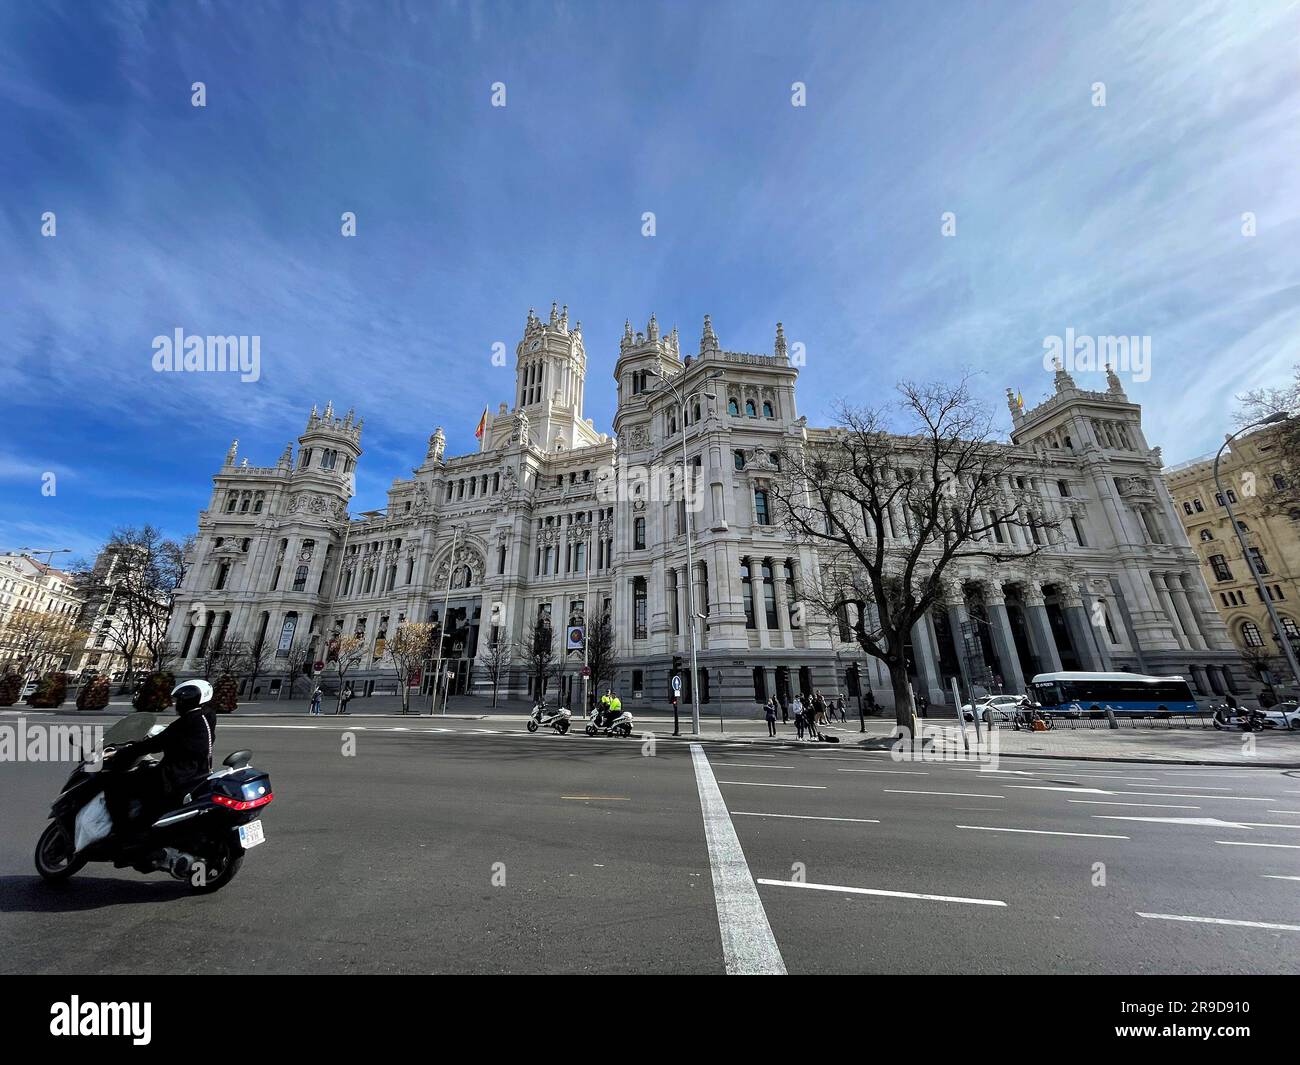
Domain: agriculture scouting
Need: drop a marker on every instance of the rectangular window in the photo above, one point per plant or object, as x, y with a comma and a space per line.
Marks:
1220, 567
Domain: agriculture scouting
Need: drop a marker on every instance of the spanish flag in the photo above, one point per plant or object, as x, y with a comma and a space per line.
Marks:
482, 425
1020, 400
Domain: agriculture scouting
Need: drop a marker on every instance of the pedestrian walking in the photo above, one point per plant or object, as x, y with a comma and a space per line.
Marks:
799, 722
840, 705
922, 705
315, 701
345, 697
770, 714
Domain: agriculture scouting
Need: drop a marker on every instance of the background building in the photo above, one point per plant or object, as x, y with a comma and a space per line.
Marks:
1252, 472
552, 519
40, 612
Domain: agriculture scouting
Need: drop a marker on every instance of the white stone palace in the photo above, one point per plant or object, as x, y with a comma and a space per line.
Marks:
527, 527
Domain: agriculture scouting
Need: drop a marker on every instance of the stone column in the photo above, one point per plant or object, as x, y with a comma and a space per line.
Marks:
1167, 605
1088, 642
1187, 616
957, 617
927, 668
1040, 630
1004, 643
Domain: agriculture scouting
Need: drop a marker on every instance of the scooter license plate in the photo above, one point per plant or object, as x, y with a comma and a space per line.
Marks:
251, 834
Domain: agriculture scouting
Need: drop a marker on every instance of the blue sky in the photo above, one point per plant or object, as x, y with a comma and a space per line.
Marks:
225, 219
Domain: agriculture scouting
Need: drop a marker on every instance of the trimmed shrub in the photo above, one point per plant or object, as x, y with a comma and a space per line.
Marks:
225, 695
94, 694
155, 694
11, 686
51, 691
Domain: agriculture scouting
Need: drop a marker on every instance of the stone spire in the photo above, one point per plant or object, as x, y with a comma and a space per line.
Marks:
1064, 382
1113, 384
329, 411
234, 450
781, 351
1014, 405
564, 318
709, 341
286, 459
555, 314
437, 443
652, 328
313, 417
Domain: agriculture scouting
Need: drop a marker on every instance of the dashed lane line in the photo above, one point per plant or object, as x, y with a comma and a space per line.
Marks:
808, 817
1216, 920
1042, 832
953, 794
748, 946
759, 784
1140, 805
880, 892
1274, 846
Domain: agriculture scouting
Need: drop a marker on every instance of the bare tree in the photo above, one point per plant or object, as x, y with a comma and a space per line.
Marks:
342, 654
1284, 495
37, 642
133, 584
539, 655
257, 660
495, 660
409, 648
297, 656
602, 656
891, 511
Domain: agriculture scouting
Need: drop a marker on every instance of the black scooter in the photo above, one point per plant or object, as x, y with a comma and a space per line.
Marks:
1226, 719
202, 841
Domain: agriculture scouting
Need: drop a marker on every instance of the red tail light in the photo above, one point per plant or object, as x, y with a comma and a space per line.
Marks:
242, 804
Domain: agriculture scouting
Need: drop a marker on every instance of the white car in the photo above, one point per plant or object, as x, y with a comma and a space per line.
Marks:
1002, 707
1283, 715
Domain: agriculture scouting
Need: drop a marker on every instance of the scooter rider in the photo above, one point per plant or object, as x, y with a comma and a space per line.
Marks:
186, 746
603, 707
614, 708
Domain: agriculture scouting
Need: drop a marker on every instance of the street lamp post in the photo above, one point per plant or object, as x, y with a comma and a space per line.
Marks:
1245, 550
682, 402
48, 552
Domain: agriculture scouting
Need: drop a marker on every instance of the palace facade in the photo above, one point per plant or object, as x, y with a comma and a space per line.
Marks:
553, 519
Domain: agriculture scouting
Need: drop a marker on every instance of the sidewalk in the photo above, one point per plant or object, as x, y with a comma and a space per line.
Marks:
1176, 746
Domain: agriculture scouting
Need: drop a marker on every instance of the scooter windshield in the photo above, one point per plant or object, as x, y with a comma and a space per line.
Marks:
130, 729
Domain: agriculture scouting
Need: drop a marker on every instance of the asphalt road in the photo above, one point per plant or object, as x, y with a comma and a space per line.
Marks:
469, 850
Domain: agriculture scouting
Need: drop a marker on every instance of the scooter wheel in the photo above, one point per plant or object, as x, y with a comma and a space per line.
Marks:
562, 727
55, 852
591, 730
532, 725
222, 865
623, 731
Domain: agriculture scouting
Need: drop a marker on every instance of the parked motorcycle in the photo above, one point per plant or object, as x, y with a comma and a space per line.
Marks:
611, 725
1030, 718
1226, 718
201, 841
556, 717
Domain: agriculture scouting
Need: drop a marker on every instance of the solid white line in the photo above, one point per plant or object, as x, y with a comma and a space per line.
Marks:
1204, 822
954, 794
1076, 791
758, 784
1275, 876
878, 891
1042, 832
1203, 787
1275, 846
1282, 812
1141, 805
748, 946
1216, 920
755, 765
808, 817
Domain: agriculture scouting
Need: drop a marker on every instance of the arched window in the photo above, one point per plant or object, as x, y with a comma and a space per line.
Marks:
739, 458
733, 407
767, 411
638, 534
1289, 627
750, 410
1206, 534
1250, 634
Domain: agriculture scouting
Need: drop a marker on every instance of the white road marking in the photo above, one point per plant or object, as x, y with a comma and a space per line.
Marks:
808, 817
1275, 846
1203, 787
748, 946
1042, 832
1216, 920
893, 772
1142, 805
1077, 791
1275, 876
1211, 822
1283, 812
954, 794
1266, 824
755, 765
758, 784
1180, 795
878, 891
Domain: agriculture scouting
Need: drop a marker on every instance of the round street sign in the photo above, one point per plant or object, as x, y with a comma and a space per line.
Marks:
585, 671
677, 683
318, 666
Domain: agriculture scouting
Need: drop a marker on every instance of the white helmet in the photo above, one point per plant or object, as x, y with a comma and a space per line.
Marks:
187, 691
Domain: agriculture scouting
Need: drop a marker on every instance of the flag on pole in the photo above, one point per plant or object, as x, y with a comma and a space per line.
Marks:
482, 425
1020, 400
